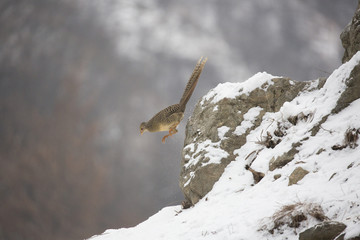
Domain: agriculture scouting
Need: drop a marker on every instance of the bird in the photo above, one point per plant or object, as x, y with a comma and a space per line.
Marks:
169, 118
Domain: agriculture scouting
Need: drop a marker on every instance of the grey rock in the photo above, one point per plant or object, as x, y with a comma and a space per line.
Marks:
198, 179
354, 238
327, 230
277, 176
350, 37
298, 174
342, 237
282, 160
202, 182
352, 91
256, 175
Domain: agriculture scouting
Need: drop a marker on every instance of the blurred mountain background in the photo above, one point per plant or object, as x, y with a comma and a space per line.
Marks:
78, 77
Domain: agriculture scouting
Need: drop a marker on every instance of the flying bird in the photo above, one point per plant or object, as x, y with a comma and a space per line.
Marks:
169, 118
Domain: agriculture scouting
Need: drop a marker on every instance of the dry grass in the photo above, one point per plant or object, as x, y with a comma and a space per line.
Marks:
350, 139
268, 141
293, 214
301, 117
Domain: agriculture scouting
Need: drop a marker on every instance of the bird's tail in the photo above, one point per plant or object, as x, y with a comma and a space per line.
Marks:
191, 84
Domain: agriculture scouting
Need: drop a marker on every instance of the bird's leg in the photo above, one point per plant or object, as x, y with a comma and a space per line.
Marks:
163, 139
172, 131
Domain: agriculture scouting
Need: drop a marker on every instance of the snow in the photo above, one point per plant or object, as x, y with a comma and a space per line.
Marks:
232, 90
248, 122
213, 152
236, 208
222, 131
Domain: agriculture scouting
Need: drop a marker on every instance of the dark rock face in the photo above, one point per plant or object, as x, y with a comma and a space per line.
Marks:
198, 175
352, 91
350, 37
328, 230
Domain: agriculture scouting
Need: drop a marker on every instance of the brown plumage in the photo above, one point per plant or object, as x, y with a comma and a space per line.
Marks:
168, 118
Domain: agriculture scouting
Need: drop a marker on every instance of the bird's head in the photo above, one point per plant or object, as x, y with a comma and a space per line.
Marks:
143, 127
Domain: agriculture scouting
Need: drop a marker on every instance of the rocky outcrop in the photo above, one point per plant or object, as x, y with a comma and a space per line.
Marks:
224, 124
350, 37
223, 119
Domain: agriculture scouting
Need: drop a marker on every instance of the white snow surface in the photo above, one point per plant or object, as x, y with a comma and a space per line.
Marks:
232, 90
213, 152
249, 119
236, 208
222, 131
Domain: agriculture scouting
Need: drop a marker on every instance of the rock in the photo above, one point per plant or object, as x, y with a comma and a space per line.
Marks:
202, 182
320, 151
298, 174
277, 176
350, 37
352, 91
341, 237
353, 238
327, 230
185, 204
256, 175
282, 160
212, 133
198, 175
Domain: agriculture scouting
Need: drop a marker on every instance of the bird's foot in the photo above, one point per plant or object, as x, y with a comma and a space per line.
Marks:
163, 139
172, 131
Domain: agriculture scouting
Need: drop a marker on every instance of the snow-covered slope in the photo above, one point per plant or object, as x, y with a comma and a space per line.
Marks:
159, 41
236, 208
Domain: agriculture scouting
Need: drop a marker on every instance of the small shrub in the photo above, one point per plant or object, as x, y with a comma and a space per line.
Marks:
293, 215
351, 137
268, 141
300, 117
350, 140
